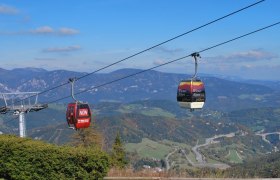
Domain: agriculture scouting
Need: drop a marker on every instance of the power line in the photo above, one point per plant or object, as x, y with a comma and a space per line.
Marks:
169, 62
152, 47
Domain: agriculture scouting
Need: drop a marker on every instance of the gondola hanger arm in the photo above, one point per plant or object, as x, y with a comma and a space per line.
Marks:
72, 81
195, 55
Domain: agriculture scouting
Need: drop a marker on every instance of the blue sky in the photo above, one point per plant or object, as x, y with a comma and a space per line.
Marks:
87, 35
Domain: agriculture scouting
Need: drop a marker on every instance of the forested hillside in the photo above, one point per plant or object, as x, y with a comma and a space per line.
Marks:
260, 167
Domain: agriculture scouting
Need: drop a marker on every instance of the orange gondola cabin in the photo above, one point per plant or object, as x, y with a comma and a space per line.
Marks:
191, 94
78, 115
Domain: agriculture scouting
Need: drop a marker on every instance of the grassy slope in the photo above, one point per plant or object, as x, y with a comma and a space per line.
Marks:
234, 157
149, 149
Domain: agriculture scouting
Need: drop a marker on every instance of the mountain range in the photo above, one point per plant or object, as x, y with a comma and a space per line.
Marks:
222, 94
143, 109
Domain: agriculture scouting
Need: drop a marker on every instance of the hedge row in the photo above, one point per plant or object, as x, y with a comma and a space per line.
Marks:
22, 158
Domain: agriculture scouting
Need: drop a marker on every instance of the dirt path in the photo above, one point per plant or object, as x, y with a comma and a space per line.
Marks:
167, 161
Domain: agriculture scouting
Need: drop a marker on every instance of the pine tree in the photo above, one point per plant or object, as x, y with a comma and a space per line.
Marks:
89, 137
118, 153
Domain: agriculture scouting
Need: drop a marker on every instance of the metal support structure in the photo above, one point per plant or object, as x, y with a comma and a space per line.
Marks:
72, 81
22, 108
4, 99
195, 55
22, 125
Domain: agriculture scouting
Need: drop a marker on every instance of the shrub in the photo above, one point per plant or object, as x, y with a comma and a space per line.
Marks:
23, 158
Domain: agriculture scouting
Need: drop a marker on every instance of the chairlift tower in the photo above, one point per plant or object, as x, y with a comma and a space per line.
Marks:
28, 104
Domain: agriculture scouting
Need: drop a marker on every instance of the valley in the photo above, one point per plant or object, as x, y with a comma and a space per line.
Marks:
155, 130
154, 150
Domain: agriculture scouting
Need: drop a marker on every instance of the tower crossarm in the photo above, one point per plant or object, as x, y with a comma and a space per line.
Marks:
21, 107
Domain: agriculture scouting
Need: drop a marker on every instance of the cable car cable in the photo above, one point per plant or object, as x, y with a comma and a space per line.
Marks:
152, 47
171, 39
169, 62
253, 32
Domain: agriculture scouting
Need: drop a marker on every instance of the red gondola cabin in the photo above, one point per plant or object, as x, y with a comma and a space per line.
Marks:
78, 115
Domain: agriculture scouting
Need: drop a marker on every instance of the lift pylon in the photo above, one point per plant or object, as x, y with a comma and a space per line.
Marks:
29, 104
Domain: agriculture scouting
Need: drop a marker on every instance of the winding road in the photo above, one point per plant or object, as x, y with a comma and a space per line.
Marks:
201, 159
263, 135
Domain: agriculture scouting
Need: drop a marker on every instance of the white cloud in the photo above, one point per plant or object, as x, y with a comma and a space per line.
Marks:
67, 31
45, 30
49, 30
44, 59
249, 56
4, 9
162, 49
247, 70
62, 49
42, 30
270, 72
158, 62
253, 55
